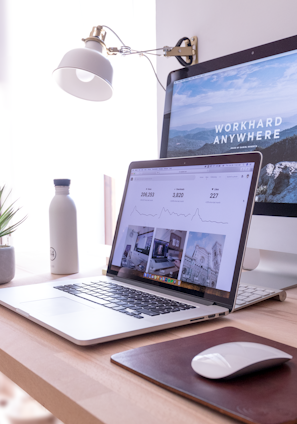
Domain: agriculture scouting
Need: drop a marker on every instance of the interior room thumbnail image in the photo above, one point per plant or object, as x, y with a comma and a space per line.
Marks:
137, 247
202, 260
167, 252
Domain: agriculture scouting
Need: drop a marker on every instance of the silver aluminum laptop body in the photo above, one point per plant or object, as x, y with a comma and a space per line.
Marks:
176, 257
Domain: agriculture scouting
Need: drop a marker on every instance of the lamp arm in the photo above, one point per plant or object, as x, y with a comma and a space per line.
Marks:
124, 48
190, 51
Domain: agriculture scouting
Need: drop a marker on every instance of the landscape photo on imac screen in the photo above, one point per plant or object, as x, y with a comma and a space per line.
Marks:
251, 106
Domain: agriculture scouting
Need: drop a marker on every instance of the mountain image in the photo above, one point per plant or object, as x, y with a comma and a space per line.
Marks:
200, 140
288, 133
278, 176
289, 122
278, 183
284, 150
186, 145
175, 132
266, 143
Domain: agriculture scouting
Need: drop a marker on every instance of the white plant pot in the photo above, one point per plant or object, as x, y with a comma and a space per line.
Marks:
7, 264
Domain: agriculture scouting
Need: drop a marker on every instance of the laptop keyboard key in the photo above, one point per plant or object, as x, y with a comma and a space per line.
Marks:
118, 308
240, 302
110, 305
92, 298
150, 313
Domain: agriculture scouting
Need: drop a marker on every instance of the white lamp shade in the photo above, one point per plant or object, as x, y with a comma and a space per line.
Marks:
86, 73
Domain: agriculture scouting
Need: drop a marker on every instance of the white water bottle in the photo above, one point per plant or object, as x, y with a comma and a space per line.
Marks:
63, 231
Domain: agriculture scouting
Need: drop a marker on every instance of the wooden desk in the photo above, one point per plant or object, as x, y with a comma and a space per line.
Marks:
80, 385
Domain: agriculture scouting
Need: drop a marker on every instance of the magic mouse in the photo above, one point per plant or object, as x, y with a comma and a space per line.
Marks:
230, 360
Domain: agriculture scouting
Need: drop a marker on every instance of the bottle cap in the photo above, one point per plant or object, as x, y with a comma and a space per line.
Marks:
62, 182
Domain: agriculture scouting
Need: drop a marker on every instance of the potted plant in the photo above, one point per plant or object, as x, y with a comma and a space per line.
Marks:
7, 261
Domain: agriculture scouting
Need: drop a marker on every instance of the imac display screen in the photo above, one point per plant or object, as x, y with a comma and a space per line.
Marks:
242, 102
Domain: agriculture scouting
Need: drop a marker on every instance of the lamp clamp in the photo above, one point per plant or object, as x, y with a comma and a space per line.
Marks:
191, 50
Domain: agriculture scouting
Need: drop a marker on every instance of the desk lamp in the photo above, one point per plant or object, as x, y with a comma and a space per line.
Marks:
87, 72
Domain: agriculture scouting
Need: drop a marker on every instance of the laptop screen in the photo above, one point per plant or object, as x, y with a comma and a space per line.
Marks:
181, 224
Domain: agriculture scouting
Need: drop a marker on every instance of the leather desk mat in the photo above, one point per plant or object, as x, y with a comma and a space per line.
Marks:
264, 397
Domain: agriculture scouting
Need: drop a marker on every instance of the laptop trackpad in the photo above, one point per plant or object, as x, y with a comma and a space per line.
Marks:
54, 306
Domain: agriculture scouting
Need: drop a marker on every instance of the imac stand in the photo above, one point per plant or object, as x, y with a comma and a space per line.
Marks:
271, 255
276, 270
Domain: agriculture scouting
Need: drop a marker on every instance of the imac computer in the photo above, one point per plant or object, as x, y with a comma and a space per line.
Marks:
160, 250
237, 103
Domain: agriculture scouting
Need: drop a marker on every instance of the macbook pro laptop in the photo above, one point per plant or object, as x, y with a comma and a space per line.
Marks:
176, 256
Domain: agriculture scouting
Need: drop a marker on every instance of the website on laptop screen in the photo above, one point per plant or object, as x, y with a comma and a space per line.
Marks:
182, 225
246, 107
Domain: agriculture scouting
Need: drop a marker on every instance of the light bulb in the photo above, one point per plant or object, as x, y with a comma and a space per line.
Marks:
84, 76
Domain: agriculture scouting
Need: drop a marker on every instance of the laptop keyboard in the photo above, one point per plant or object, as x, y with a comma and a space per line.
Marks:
251, 294
123, 299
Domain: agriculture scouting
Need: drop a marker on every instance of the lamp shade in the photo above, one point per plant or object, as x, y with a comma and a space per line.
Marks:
86, 73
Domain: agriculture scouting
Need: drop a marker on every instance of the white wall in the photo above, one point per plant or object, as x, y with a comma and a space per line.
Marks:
47, 134
222, 27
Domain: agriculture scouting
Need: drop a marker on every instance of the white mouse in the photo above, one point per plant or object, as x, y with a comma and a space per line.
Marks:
230, 360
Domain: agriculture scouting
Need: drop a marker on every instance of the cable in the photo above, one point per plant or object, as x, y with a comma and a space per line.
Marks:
147, 51
105, 26
144, 55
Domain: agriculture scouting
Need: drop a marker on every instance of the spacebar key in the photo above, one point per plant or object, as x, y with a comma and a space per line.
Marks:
92, 298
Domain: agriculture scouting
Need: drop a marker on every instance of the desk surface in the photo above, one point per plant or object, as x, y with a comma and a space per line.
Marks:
80, 384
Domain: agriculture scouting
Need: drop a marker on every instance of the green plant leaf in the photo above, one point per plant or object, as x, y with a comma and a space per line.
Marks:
7, 215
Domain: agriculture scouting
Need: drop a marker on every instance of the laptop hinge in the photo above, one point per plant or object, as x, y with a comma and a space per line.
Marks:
223, 305
163, 290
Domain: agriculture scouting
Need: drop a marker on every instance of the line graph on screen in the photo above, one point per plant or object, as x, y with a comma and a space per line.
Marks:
165, 211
